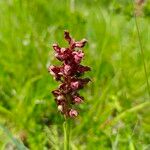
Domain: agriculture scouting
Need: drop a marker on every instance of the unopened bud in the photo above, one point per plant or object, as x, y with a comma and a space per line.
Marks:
60, 97
60, 108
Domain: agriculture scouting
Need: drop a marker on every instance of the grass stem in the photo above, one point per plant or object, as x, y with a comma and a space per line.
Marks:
142, 51
72, 5
66, 127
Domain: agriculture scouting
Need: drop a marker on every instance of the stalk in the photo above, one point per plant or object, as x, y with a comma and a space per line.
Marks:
142, 51
72, 5
66, 126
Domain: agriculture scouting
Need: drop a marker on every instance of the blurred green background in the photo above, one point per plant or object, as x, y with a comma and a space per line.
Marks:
116, 112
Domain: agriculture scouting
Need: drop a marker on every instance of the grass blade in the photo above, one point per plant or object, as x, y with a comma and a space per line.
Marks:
17, 143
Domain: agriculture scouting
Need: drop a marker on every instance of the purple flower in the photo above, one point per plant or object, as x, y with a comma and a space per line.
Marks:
69, 75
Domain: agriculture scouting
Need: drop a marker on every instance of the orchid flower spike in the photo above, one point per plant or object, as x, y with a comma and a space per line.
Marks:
69, 74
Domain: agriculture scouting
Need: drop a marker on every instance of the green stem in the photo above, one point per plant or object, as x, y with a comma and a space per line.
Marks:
66, 126
142, 50
72, 5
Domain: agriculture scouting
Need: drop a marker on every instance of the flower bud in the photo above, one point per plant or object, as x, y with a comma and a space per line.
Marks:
60, 97
60, 108
67, 37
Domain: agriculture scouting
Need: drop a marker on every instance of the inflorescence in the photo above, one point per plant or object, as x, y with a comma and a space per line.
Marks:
69, 74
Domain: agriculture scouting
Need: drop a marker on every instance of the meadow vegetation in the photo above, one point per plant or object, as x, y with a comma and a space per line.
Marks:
116, 111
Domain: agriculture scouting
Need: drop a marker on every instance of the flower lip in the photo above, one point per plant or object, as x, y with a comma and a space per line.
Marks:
67, 69
75, 85
62, 50
78, 55
73, 113
77, 99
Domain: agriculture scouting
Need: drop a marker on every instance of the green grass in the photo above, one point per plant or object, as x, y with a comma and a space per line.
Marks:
116, 112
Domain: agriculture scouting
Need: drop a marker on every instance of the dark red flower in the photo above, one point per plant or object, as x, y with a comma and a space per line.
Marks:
73, 113
78, 55
75, 85
67, 69
56, 92
56, 48
81, 43
68, 73
77, 99
56, 72
82, 69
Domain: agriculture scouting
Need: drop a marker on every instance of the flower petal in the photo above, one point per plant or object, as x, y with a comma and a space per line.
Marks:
81, 43
82, 69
